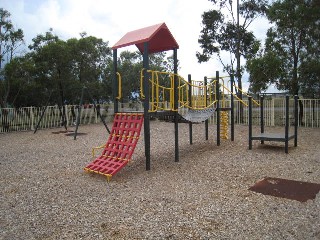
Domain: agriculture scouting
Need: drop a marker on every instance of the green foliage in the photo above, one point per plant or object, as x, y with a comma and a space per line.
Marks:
290, 57
263, 71
41, 40
224, 33
53, 64
10, 40
18, 73
60, 69
310, 79
129, 66
89, 65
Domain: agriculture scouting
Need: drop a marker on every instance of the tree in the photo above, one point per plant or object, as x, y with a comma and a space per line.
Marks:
69, 65
266, 69
292, 43
129, 66
24, 91
10, 40
309, 69
223, 32
52, 62
295, 40
91, 58
310, 75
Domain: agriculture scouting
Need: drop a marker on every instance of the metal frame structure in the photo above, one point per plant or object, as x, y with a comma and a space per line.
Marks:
277, 137
152, 39
79, 112
62, 113
157, 38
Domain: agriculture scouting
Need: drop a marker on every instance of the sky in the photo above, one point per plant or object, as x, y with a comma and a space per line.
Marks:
110, 20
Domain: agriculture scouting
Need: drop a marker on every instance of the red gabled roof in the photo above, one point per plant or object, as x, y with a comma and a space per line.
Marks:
159, 37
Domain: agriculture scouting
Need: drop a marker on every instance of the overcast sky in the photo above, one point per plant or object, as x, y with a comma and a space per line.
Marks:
110, 20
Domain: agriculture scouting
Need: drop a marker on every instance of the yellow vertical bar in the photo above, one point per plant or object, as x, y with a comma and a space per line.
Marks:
141, 84
172, 92
157, 92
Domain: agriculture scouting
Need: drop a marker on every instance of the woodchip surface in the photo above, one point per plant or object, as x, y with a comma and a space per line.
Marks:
45, 194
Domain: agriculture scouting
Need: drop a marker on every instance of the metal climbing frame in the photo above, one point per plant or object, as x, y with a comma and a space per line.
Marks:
191, 94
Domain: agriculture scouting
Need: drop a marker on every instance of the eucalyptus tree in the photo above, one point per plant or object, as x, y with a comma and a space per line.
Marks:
225, 29
290, 42
66, 66
310, 78
290, 58
24, 90
10, 41
91, 59
52, 63
130, 66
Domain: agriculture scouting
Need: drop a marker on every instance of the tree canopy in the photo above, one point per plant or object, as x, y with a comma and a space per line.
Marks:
61, 68
224, 31
10, 40
290, 58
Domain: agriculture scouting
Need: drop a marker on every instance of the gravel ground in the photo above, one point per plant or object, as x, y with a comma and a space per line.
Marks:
45, 194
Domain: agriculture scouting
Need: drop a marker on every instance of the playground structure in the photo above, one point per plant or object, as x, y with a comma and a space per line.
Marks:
276, 137
195, 101
180, 94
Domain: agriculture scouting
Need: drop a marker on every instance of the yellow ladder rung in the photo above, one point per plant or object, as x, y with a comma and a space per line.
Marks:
224, 125
109, 176
123, 136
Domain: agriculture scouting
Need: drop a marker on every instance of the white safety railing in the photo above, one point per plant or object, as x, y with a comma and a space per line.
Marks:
27, 118
274, 113
311, 113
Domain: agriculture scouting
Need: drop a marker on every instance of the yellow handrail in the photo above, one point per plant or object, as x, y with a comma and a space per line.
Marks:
202, 94
95, 148
142, 96
243, 102
228, 90
119, 86
223, 104
246, 95
155, 90
171, 90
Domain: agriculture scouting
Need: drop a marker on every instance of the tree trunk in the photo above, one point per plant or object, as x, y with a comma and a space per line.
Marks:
301, 113
238, 71
63, 112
